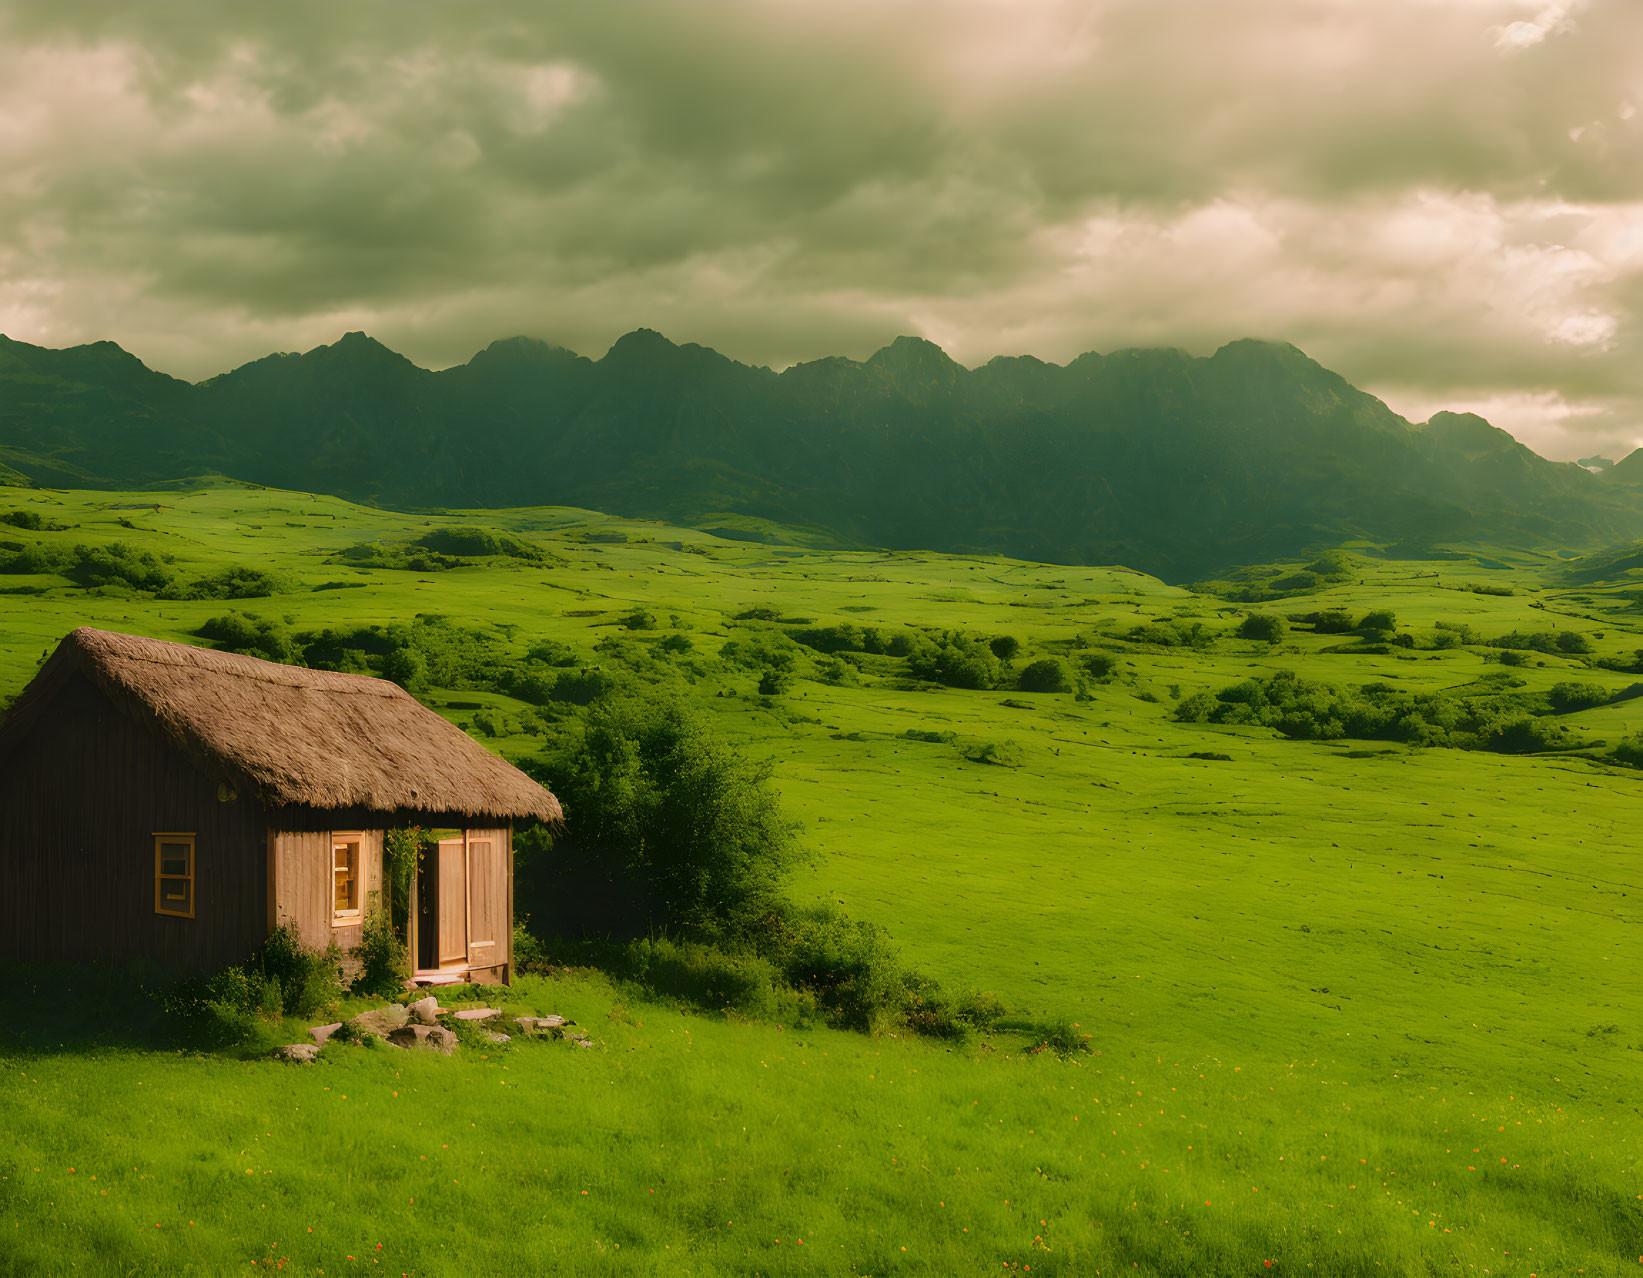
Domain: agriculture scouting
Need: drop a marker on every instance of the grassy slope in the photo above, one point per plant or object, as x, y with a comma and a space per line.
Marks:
1306, 957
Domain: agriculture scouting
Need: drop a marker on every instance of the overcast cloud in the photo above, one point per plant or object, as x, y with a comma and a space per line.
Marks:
1441, 199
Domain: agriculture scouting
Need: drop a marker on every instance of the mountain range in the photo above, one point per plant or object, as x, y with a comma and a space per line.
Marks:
1177, 465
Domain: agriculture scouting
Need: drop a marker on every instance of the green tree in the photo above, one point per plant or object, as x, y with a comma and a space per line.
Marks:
1264, 627
1045, 675
653, 792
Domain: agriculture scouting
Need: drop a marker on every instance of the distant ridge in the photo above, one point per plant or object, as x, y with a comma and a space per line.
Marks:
1177, 465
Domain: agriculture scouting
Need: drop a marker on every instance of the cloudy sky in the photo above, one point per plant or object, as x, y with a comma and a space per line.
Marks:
1441, 199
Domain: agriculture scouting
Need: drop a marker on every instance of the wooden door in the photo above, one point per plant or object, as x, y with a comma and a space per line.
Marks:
453, 901
484, 915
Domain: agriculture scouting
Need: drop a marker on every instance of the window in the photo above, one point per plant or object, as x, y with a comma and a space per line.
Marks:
174, 875
345, 878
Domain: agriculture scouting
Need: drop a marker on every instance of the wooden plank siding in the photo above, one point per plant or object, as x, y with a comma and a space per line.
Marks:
79, 807
302, 883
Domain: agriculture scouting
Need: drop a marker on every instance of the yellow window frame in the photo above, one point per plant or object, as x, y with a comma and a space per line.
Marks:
350, 916
160, 879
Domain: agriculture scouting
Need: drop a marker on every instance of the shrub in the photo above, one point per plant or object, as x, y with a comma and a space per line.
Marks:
1047, 674
117, 564
1005, 647
676, 810
1099, 665
704, 976
1336, 621
18, 558
30, 520
957, 660
851, 968
1629, 752
1570, 696
583, 687
310, 980
373, 554
639, 619
550, 652
280, 979
1062, 1036
761, 650
468, 540
1004, 754
1568, 643
1263, 627
1487, 715
1171, 634
382, 957
1630, 664
255, 636
407, 667
1523, 735
772, 683
1378, 619
233, 582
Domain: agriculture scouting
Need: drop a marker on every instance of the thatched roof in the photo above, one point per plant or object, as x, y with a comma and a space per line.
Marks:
287, 736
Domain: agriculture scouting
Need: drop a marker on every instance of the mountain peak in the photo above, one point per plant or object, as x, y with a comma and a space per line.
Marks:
640, 342
907, 350
915, 362
522, 352
356, 346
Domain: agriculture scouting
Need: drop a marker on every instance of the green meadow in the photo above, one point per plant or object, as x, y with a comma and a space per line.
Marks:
1353, 1007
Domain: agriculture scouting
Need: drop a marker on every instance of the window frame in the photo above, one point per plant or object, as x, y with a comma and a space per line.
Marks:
354, 916
189, 840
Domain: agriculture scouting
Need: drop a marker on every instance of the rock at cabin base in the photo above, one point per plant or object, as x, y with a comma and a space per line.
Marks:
322, 1033
435, 1038
380, 1021
425, 1011
297, 1053
476, 1014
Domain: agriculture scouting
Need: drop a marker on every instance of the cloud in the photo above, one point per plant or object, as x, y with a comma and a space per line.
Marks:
1434, 196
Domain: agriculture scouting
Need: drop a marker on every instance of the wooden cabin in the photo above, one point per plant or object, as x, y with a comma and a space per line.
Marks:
165, 802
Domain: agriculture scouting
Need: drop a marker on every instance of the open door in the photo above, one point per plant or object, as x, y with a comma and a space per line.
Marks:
486, 901
452, 910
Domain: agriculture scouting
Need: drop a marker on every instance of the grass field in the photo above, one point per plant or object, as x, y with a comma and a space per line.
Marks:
1355, 1008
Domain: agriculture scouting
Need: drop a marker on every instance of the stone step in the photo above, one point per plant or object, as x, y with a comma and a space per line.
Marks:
540, 1024
433, 1038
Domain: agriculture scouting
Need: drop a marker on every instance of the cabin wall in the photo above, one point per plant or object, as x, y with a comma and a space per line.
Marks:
80, 803
301, 884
